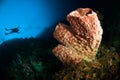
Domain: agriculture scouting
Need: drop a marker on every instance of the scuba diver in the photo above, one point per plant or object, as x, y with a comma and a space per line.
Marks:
12, 30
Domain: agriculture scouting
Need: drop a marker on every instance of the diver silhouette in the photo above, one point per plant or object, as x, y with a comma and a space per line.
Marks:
12, 30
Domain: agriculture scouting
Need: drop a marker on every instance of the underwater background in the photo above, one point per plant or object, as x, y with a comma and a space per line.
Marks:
26, 35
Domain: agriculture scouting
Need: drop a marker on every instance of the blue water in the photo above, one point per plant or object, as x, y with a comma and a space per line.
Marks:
32, 17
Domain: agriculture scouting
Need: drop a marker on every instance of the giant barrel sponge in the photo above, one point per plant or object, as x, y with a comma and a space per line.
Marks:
81, 39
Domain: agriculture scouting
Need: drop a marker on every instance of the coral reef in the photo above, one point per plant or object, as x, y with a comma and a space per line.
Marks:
80, 40
104, 67
80, 44
29, 59
32, 59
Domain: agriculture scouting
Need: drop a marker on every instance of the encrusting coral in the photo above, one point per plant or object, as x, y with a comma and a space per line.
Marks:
80, 40
106, 66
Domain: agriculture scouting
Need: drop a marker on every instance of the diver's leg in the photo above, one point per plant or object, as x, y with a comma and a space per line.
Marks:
6, 29
6, 33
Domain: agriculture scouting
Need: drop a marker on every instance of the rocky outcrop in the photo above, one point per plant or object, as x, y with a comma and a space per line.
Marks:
80, 40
